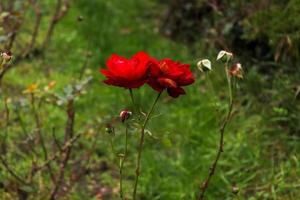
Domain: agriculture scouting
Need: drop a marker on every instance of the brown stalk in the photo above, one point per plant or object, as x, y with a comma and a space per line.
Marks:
220, 151
69, 132
61, 10
57, 154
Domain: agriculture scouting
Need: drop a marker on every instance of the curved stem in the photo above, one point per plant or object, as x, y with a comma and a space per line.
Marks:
221, 141
138, 164
123, 158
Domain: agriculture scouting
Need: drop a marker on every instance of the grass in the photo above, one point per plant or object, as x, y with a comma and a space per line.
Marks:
261, 159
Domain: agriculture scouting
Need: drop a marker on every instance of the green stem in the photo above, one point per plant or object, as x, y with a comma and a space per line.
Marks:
131, 96
138, 164
112, 145
135, 106
229, 84
123, 158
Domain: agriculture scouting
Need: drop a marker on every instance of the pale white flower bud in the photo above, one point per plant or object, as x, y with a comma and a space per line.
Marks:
204, 65
224, 56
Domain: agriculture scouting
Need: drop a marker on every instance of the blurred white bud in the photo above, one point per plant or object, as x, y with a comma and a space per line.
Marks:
204, 65
235, 190
224, 56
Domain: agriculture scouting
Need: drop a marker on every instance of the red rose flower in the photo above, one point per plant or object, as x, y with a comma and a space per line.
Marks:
127, 73
170, 75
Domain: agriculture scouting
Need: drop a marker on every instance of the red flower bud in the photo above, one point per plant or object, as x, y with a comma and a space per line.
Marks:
125, 114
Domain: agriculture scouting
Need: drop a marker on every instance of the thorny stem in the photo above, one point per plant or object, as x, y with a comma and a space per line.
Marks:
222, 131
140, 148
122, 161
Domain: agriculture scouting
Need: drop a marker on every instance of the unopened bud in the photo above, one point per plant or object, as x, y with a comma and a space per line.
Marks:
109, 129
225, 56
236, 70
235, 190
204, 65
6, 56
79, 18
125, 115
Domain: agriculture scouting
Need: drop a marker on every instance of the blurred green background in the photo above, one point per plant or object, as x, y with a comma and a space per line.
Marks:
261, 153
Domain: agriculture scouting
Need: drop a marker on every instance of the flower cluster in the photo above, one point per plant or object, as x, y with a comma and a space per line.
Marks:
141, 69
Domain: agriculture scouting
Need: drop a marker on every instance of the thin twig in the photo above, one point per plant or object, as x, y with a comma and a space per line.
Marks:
38, 18
39, 136
58, 153
122, 161
87, 158
7, 114
55, 139
61, 10
11, 171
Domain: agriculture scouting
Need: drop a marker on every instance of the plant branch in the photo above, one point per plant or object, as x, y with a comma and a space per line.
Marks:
61, 10
38, 18
11, 171
56, 155
69, 132
221, 141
